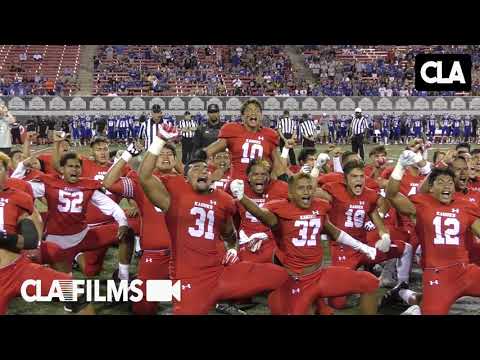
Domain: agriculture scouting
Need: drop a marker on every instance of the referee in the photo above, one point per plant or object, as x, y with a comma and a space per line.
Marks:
358, 127
188, 126
150, 127
287, 129
308, 129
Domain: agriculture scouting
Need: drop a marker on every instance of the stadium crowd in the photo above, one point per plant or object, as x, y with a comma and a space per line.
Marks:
241, 215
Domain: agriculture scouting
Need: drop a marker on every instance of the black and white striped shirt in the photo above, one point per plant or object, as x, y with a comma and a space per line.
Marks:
359, 125
287, 126
308, 128
187, 124
148, 130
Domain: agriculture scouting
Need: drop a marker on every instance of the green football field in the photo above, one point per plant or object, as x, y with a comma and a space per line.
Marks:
18, 306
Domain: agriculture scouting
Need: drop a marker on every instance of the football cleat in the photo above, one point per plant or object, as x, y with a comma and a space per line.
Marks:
392, 296
412, 310
229, 309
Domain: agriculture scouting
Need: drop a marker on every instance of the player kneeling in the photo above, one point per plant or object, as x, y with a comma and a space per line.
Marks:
20, 233
297, 224
197, 219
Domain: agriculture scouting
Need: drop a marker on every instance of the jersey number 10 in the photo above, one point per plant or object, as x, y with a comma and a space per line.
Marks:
251, 151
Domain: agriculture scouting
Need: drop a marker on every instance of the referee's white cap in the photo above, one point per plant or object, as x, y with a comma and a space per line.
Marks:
357, 110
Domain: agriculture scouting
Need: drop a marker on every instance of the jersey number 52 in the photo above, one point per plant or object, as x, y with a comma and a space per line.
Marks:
70, 202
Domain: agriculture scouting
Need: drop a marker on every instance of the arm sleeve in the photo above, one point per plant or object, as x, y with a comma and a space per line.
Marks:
20, 171
38, 188
109, 207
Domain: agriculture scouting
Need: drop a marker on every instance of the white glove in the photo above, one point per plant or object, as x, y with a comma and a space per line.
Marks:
230, 258
237, 188
306, 169
322, 159
256, 241
369, 226
371, 252
167, 135
407, 158
384, 243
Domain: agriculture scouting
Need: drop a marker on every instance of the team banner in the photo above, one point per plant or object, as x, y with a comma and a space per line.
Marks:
230, 105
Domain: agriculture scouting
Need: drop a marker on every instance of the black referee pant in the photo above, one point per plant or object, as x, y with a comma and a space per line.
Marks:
187, 149
291, 152
357, 145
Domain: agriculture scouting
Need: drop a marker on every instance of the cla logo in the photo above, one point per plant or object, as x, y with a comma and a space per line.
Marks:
443, 72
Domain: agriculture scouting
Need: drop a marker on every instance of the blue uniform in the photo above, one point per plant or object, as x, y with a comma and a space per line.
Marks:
75, 127
432, 127
385, 127
111, 128
396, 128
456, 127
446, 126
417, 128
467, 127
331, 130
87, 128
136, 128
122, 128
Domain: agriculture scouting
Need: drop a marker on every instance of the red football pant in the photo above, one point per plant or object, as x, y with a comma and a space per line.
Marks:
241, 280
442, 287
96, 238
93, 260
264, 255
153, 265
345, 256
13, 275
297, 295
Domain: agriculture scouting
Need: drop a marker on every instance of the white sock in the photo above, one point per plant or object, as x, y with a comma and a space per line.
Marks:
137, 244
123, 271
407, 295
404, 264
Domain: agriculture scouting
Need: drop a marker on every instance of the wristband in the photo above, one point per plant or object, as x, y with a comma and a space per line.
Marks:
398, 172
285, 152
156, 146
126, 156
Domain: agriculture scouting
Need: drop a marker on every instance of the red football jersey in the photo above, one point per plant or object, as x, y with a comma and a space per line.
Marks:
21, 185
337, 177
474, 185
409, 184
275, 190
194, 221
295, 168
94, 171
154, 233
67, 204
32, 174
245, 145
48, 161
13, 203
350, 213
298, 232
442, 229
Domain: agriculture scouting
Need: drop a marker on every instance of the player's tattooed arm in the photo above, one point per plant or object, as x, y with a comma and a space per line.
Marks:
216, 147
280, 166
154, 189
378, 221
